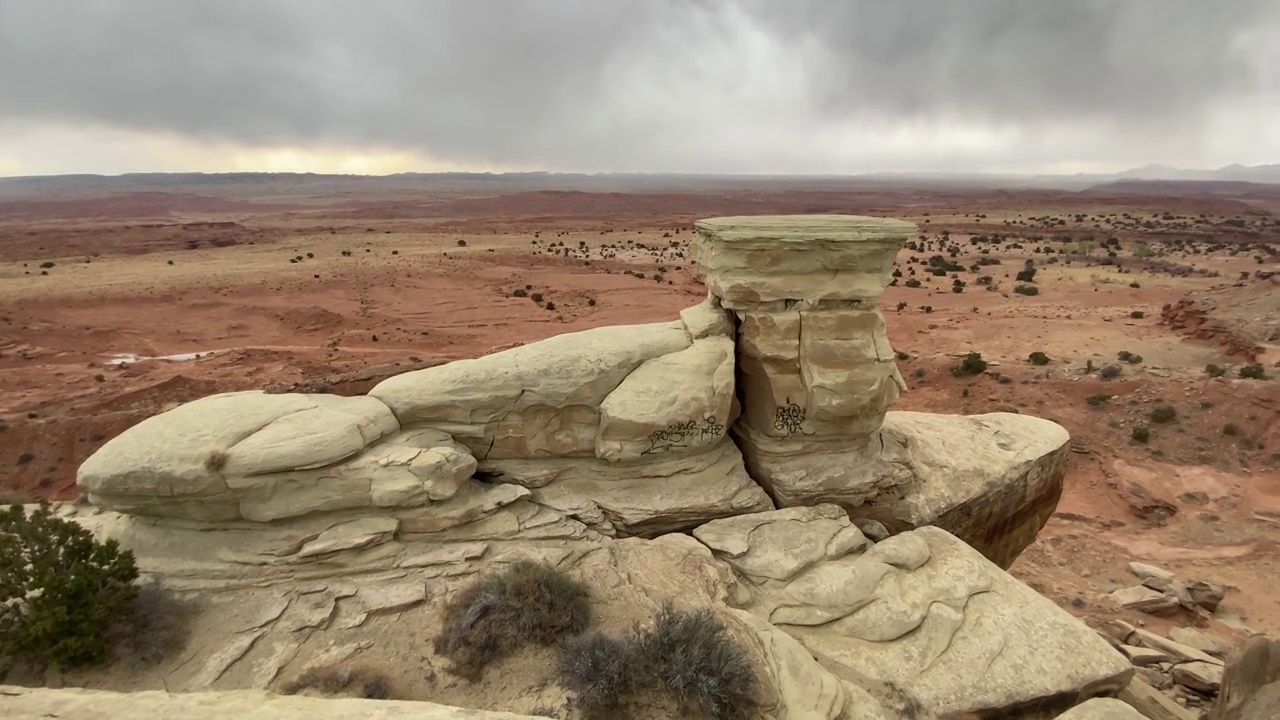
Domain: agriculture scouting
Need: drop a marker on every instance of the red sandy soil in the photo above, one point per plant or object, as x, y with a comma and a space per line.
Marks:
430, 278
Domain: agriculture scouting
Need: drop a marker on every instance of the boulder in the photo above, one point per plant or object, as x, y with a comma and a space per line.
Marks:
538, 400
1102, 709
919, 615
992, 480
1251, 682
258, 456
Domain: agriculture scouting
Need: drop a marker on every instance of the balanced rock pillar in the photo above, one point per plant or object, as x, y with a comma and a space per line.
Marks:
816, 379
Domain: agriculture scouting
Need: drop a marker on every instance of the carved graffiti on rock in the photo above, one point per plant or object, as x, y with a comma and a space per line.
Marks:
789, 419
680, 435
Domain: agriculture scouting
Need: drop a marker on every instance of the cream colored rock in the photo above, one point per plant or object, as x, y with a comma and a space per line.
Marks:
193, 460
821, 373
22, 703
706, 319
678, 403
670, 492
537, 400
919, 615
992, 480
767, 258
1102, 709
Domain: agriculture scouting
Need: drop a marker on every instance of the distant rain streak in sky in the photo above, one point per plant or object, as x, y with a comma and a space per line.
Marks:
712, 86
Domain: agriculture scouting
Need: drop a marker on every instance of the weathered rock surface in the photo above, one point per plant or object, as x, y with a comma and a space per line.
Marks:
992, 480
255, 456
1251, 682
919, 614
1102, 709
537, 400
22, 703
1152, 703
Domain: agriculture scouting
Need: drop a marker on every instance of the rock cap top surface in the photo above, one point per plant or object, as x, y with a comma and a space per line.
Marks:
804, 228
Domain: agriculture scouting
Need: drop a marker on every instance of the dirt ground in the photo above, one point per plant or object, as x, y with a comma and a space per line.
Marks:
114, 307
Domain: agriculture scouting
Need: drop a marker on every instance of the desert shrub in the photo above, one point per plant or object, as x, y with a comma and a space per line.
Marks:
912, 283
527, 603
1126, 356
1027, 290
901, 356
1253, 372
519, 292
536, 297
972, 364
1163, 414
550, 305
691, 655
156, 625
1109, 372
1038, 358
1230, 430
1137, 314
357, 682
61, 591
599, 670
1026, 275
1135, 285
591, 302
1213, 370
1141, 434
695, 657
1098, 400
462, 243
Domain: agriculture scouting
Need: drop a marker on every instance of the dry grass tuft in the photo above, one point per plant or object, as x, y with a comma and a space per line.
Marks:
528, 603
216, 459
357, 682
689, 654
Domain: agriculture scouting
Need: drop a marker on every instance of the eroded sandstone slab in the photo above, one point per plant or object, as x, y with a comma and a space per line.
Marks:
919, 616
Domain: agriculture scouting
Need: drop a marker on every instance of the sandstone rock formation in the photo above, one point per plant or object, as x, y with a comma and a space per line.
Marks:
818, 378
852, 605
310, 523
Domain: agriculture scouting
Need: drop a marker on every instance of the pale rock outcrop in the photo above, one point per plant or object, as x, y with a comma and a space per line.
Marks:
262, 457
818, 377
23, 703
920, 617
1102, 709
624, 428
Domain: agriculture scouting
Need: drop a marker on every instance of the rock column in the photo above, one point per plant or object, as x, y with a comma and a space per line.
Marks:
816, 371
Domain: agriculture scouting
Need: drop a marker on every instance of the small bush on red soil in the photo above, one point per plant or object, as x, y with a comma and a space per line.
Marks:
526, 604
972, 364
1253, 372
1163, 414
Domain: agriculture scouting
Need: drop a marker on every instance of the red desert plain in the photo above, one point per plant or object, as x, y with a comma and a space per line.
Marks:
1142, 316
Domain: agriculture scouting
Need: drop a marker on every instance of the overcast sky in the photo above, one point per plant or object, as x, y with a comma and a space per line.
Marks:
750, 86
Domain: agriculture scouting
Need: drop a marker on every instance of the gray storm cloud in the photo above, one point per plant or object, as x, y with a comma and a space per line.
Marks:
601, 84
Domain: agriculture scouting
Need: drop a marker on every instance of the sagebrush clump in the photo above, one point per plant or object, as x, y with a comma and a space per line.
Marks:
691, 655
972, 364
62, 593
528, 603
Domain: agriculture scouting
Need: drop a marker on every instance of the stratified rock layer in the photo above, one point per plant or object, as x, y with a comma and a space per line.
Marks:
817, 379
919, 617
